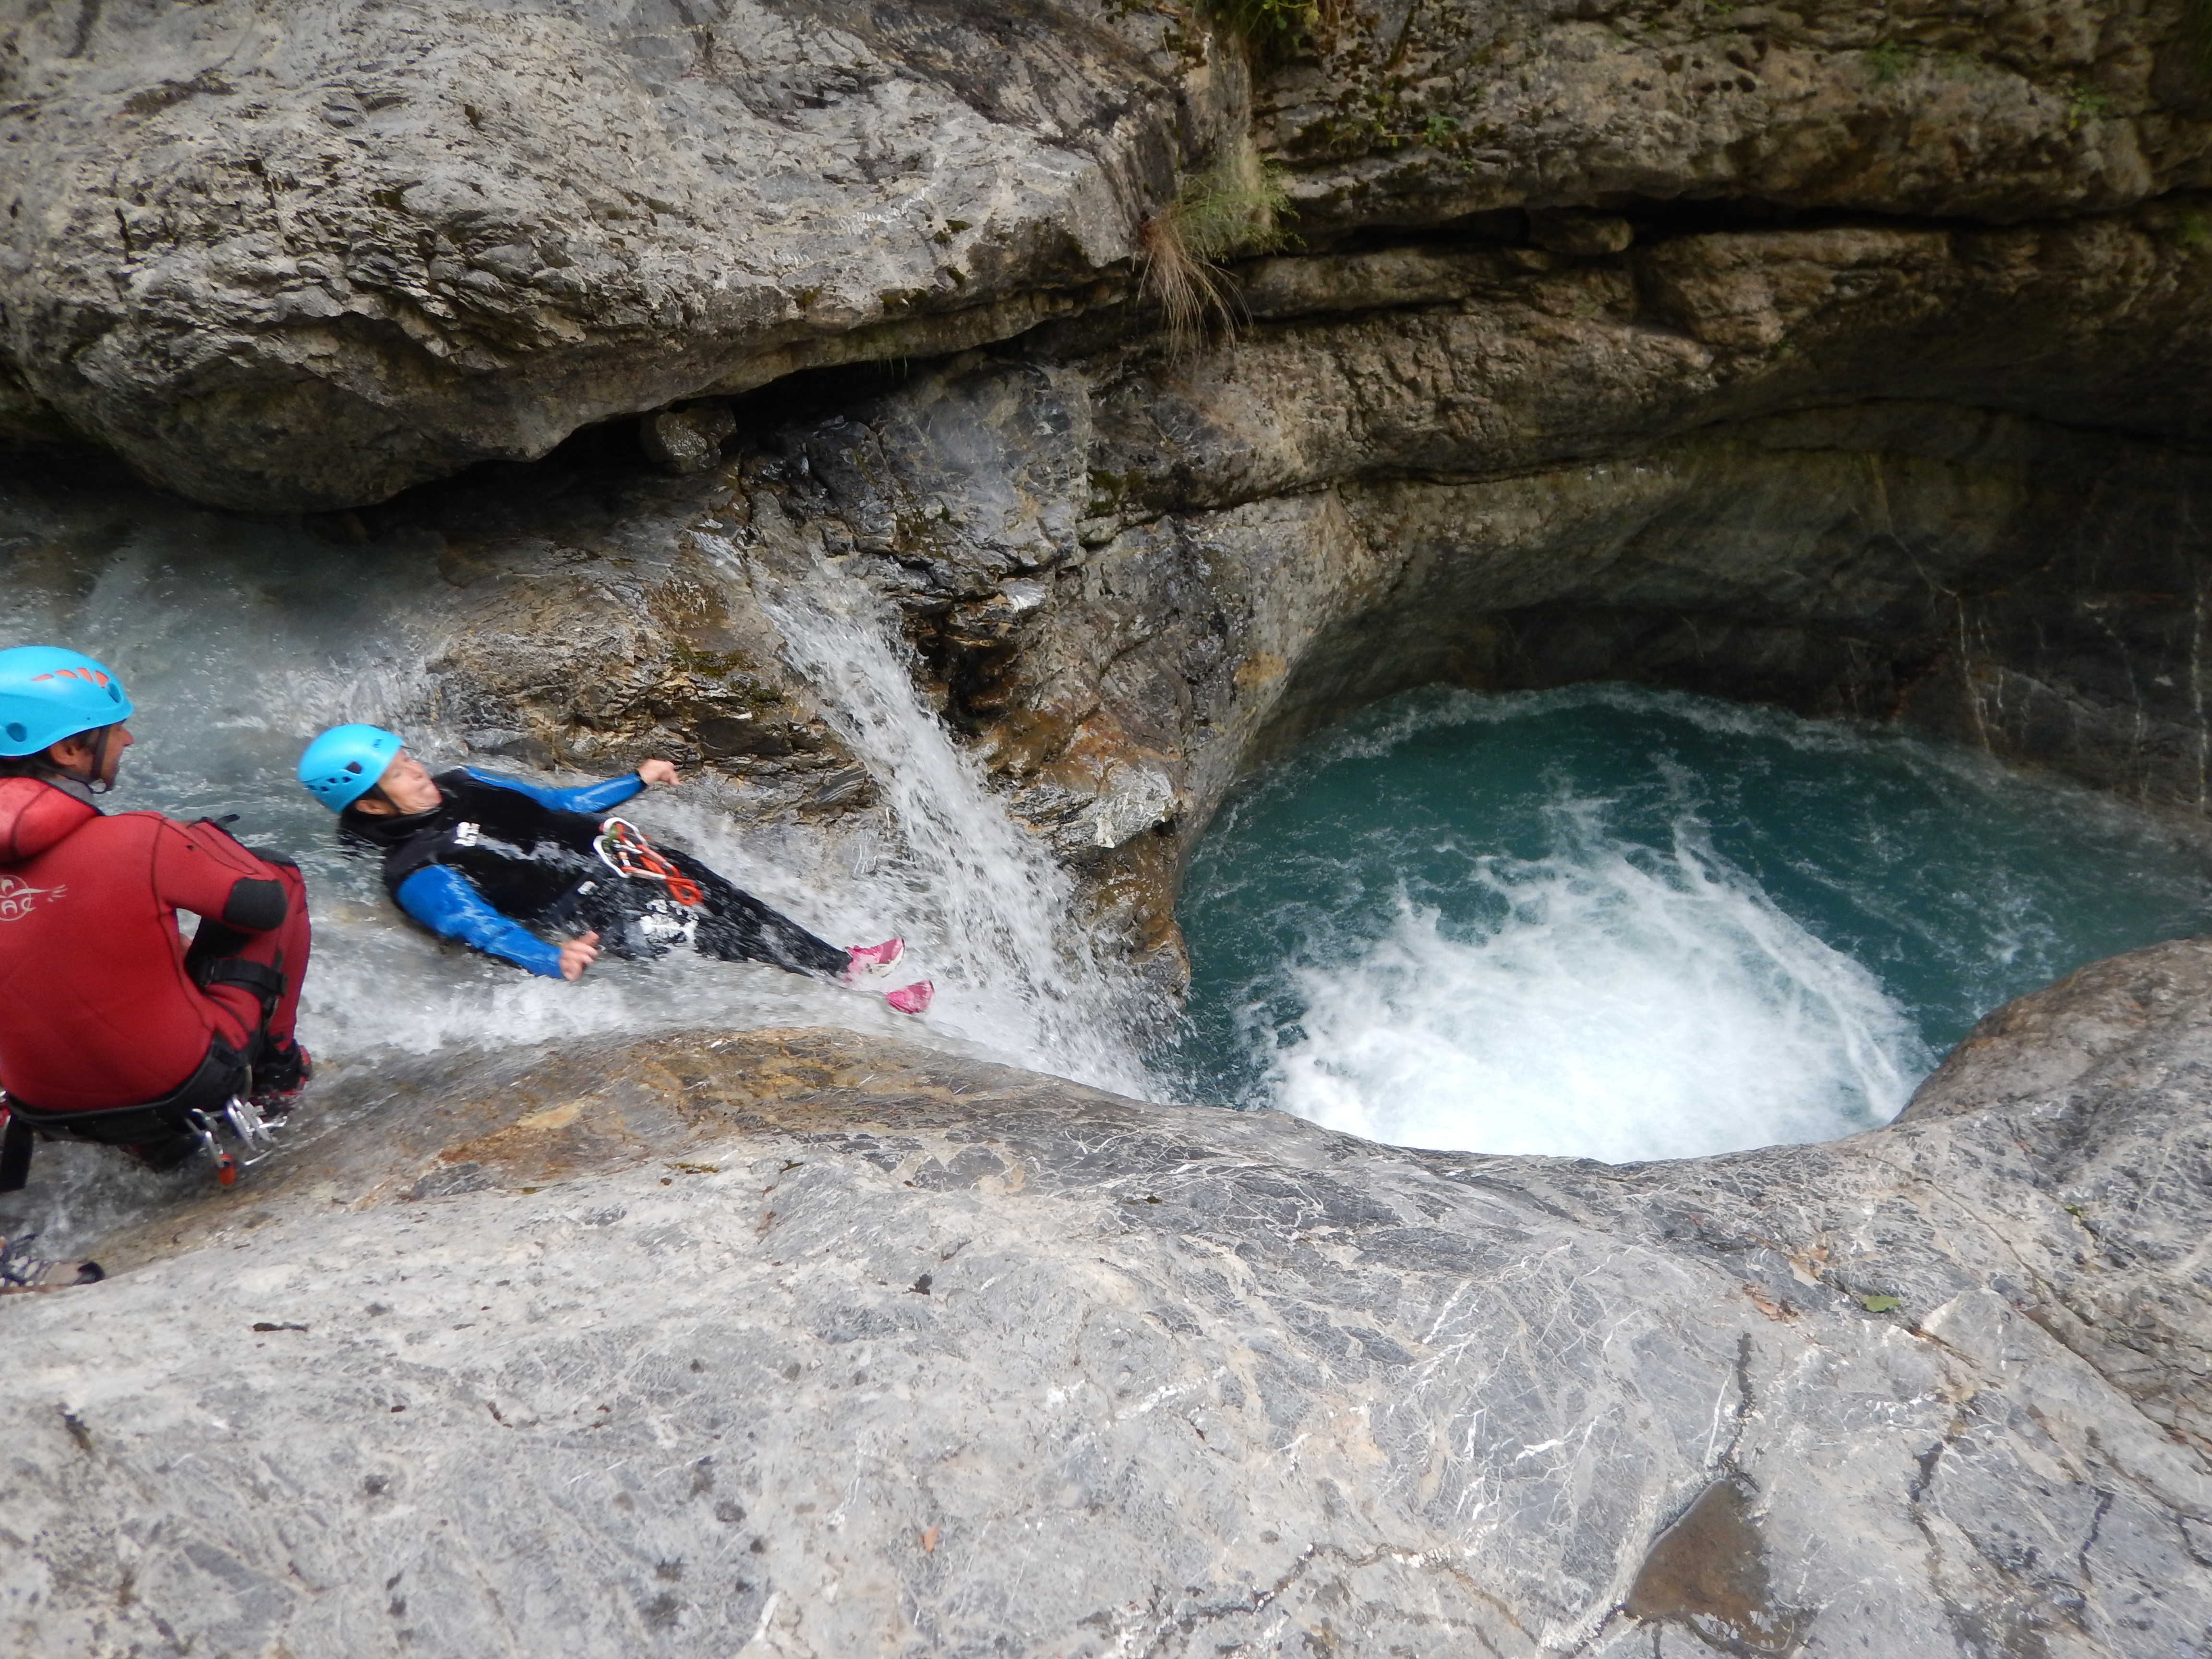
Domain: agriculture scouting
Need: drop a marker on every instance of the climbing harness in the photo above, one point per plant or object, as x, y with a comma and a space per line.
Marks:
238, 1119
624, 848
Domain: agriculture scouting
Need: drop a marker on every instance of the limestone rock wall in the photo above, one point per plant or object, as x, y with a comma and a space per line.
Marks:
305, 256
1418, 111
1857, 360
1133, 575
287, 256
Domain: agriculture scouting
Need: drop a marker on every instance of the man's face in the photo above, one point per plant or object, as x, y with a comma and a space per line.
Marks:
407, 786
78, 756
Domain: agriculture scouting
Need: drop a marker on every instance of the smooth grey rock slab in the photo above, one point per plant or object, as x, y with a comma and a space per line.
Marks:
2104, 1023
808, 1343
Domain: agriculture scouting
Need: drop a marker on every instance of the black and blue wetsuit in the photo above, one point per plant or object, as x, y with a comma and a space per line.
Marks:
497, 857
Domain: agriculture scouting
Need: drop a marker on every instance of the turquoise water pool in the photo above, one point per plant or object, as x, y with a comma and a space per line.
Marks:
1623, 924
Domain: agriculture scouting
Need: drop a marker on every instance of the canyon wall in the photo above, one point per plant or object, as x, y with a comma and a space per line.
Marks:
1854, 361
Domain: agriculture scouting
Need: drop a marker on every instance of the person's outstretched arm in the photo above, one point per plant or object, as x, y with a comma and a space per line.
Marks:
590, 798
447, 903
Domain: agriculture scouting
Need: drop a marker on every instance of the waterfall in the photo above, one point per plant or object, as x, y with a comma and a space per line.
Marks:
991, 910
239, 639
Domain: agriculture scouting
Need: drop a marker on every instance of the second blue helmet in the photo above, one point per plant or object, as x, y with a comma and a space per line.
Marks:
343, 764
48, 693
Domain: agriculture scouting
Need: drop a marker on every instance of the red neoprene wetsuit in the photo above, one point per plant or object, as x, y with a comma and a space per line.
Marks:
96, 1006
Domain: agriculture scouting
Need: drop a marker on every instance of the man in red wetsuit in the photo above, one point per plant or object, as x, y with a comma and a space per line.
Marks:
110, 1028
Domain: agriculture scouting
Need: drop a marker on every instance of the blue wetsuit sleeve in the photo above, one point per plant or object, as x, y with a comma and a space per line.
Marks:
447, 903
592, 799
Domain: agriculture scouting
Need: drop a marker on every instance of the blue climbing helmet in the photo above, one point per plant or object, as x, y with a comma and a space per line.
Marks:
343, 764
47, 693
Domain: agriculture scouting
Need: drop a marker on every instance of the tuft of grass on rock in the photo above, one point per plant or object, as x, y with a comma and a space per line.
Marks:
1233, 206
1274, 28
2085, 103
1891, 60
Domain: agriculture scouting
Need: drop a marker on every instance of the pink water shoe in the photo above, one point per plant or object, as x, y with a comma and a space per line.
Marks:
870, 960
911, 999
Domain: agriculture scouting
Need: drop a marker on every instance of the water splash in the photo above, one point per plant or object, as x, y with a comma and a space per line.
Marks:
1016, 975
1629, 1003
240, 638
1622, 924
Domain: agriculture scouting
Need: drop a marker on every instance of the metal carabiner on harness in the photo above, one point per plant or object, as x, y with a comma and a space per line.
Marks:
203, 1128
249, 1128
624, 849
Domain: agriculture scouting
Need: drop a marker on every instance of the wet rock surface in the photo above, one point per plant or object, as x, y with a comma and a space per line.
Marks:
807, 1342
1132, 581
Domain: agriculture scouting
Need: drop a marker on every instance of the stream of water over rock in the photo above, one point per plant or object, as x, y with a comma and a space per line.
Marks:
1622, 924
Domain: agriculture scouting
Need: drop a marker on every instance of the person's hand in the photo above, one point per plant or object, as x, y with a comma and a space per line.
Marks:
579, 954
658, 771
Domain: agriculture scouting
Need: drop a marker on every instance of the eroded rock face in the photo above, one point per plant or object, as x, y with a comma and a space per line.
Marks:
305, 257
804, 1342
1134, 577
287, 257
1413, 113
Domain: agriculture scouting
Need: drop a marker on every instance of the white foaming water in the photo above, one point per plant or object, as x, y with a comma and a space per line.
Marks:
1629, 1005
238, 640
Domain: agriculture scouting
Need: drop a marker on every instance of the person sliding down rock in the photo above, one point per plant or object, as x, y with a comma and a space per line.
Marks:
487, 859
111, 1029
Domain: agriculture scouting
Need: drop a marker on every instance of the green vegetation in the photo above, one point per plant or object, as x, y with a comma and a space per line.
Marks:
1279, 23
2086, 104
1893, 60
1231, 207
1890, 60
2196, 37
2192, 232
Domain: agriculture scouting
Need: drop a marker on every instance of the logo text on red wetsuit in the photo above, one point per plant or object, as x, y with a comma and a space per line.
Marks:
18, 897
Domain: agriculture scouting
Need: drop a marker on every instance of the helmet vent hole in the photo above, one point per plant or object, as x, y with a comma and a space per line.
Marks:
353, 766
17, 732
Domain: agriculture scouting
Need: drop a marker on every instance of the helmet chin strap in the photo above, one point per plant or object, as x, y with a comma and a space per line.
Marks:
93, 781
99, 782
